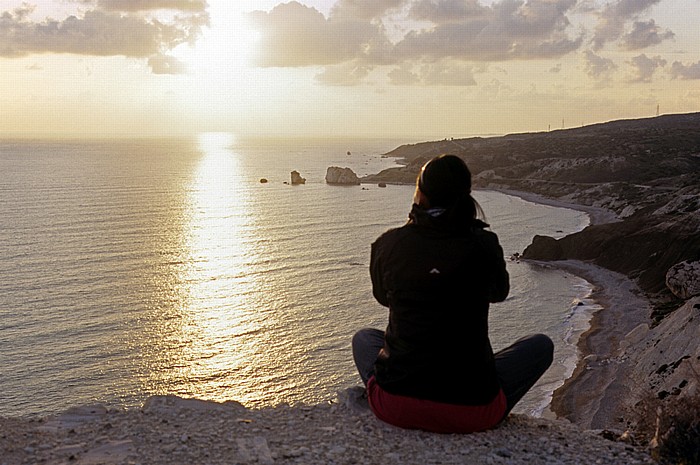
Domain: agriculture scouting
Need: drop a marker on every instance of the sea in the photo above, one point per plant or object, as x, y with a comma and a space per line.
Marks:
192, 266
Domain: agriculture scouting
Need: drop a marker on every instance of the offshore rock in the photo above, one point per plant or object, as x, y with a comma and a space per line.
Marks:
544, 248
683, 279
297, 179
345, 176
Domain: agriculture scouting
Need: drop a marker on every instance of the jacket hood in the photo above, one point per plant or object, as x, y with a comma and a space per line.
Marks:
443, 219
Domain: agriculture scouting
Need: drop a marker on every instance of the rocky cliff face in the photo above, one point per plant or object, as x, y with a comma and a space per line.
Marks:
664, 363
643, 246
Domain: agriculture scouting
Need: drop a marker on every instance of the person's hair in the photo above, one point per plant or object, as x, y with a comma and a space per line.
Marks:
446, 182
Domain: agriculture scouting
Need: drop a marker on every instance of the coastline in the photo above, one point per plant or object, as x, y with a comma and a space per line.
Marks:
597, 215
592, 395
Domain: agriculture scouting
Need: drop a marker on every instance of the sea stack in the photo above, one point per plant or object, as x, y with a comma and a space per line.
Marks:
297, 179
344, 176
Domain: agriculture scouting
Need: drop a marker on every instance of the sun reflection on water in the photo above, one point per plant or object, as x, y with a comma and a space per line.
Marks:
217, 280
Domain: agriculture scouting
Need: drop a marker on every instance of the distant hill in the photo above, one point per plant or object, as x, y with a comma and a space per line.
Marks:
632, 151
645, 170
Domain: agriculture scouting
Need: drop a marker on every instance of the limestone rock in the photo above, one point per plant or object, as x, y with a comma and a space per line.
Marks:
297, 179
543, 248
665, 362
683, 279
337, 175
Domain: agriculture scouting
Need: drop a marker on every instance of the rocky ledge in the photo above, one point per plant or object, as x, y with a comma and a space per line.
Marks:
172, 430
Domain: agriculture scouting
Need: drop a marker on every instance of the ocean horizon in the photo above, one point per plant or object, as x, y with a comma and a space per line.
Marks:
165, 266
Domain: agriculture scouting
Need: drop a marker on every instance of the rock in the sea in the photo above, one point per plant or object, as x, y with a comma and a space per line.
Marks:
683, 279
297, 179
543, 248
337, 175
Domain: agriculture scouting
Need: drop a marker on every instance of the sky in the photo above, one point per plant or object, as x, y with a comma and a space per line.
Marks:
412, 69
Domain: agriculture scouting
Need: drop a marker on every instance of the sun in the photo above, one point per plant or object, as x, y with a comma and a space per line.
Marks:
225, 48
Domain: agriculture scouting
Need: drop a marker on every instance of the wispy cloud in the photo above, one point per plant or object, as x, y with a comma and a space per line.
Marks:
346, 74
365, 9
163, 64
148, 5
682, 71
645, 34
644, 67
443, 73
106, 29
598, 67
614, 17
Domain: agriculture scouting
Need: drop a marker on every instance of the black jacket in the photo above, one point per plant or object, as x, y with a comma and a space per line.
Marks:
437, 281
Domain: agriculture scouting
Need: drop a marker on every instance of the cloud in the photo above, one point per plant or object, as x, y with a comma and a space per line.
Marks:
437, 74
294, 35
147, 5
644, 67
163, 64
102, 33
645, 34
365, 9
612, 19
447, 11
598, 67
404, 76
346, 74
432, 74
679, 70
509, 29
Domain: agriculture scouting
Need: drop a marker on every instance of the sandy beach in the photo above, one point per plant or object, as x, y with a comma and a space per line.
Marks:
591, 396
596, 214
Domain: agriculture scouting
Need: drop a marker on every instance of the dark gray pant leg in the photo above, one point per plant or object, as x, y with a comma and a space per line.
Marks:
366, 344
522, 364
